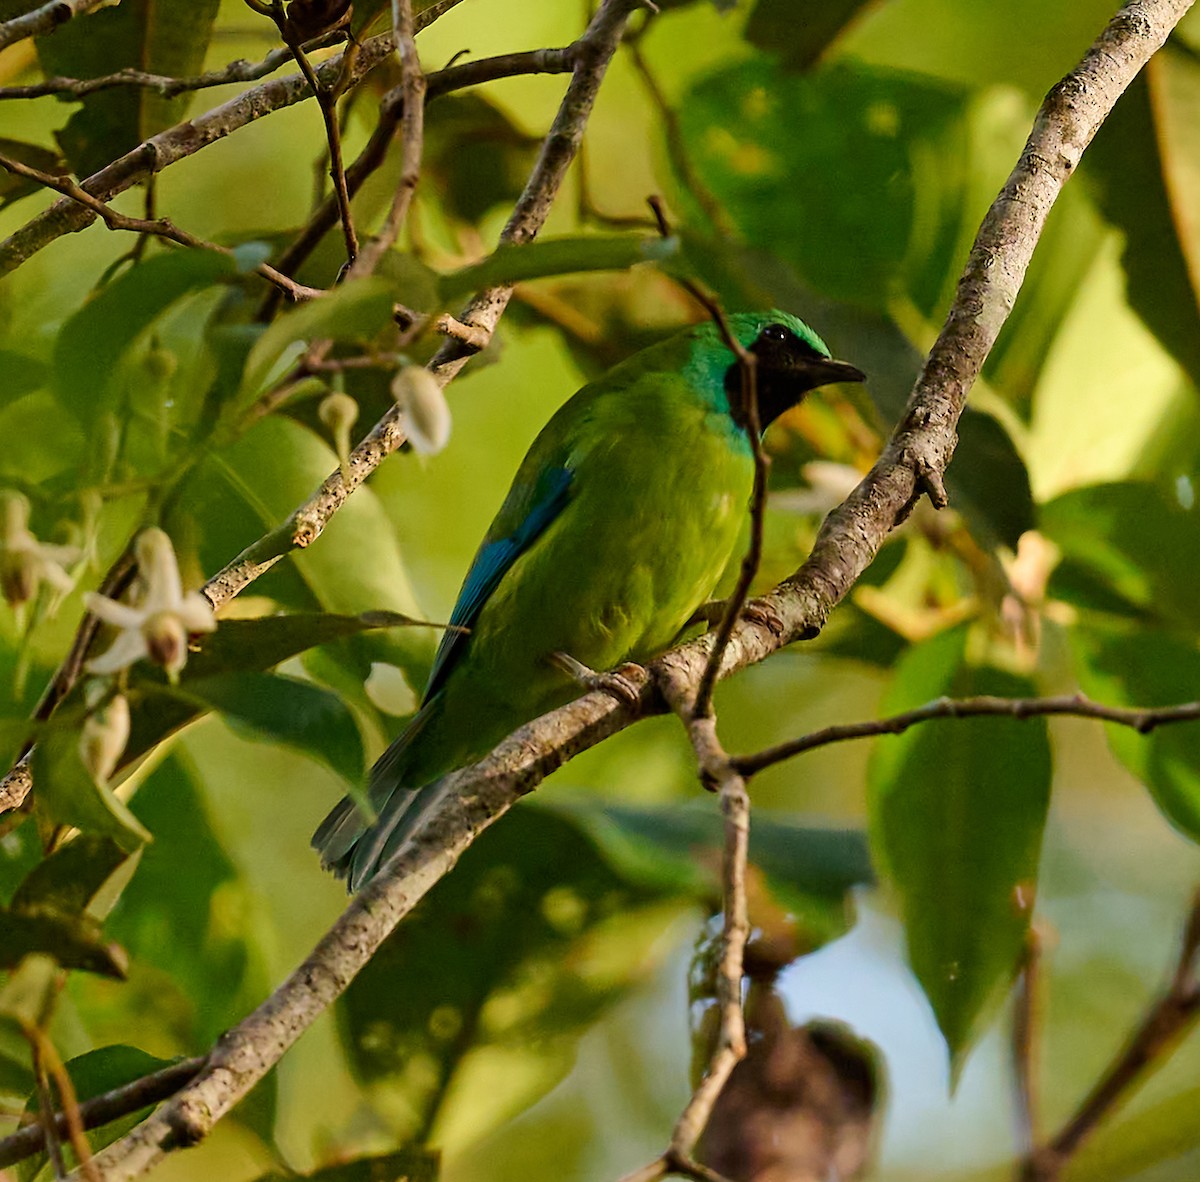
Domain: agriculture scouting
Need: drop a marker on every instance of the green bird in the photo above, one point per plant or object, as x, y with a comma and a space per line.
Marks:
617, 527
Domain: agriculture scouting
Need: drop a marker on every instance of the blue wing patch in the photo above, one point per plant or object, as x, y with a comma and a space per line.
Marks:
490, 566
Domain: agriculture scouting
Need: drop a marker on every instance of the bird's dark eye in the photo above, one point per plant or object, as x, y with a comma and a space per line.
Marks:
776, 332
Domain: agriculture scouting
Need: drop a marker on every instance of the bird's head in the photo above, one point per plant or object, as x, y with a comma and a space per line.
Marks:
791, 361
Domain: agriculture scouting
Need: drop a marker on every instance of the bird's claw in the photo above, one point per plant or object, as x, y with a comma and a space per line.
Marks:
713, 612
614, 683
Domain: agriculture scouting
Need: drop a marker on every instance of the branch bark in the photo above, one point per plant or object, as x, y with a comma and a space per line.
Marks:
42, 20
912, 464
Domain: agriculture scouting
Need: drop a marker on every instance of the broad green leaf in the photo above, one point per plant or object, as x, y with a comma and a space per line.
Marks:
556, 256
68, 795
69, 878
1144, 167
289, 711
16, 1070
988, 481
884, 160
957, 810
73, 942
409, 1165
159, 36
189, 922
1128, 548
19, 375
94, 339
355, 311
14, 187
93, 1074
801, 38
1146, 667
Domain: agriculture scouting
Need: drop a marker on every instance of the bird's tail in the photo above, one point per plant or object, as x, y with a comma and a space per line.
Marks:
351, 844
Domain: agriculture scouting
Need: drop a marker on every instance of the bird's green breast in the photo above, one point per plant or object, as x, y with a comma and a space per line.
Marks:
618, 572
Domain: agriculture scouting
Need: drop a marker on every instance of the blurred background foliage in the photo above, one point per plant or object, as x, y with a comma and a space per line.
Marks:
533, 1017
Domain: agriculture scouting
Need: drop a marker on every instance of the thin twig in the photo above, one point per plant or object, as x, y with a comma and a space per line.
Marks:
238, 71
677, 152
100, 1110
411, 100
327, 100
1167, 1020
186, 138
42, 20
158, 227
1026, 1040
748, 371
1141, 719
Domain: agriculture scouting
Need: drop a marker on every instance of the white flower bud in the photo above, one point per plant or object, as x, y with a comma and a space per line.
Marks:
424, 409
104, 735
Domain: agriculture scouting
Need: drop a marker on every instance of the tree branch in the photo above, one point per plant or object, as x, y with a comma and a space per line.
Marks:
1167, 1020
238, 71
185, 139
158, 227
1142, 720
42, 20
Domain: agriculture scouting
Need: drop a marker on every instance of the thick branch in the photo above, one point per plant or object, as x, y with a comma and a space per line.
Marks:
42, 20
912, 463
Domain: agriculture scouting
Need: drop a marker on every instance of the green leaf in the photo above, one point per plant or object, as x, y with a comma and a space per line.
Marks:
355, 311
14, 187
1146, 667
93, 1074
809, 869
957, 811
289, 711
1143, 167
69, 795
94, 339
159, 36
69, 878
802, 37
74, 943
19, 375
556, 256
1127, 548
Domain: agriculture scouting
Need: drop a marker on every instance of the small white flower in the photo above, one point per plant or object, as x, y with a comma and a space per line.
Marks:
25, 563
159, 626
425, 413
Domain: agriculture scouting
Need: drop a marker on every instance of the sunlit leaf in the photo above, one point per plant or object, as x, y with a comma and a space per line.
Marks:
68, 795
957, 811
1144, 166
1145, 667
67, 880
1127, 548
409, 1165
357, 310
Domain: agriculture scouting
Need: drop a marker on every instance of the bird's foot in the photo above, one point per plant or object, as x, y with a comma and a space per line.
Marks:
713, 612
614, 683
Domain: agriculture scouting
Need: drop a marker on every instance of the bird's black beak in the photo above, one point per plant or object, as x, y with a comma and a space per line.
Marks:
827, 370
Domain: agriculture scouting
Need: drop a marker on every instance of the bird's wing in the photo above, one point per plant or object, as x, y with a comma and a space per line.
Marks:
550, 494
